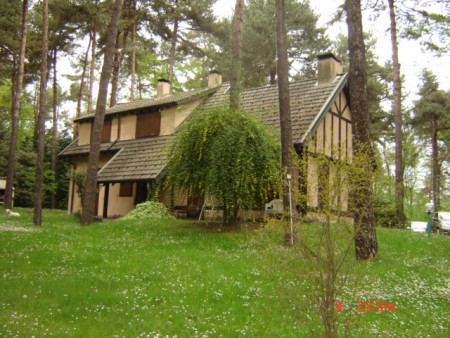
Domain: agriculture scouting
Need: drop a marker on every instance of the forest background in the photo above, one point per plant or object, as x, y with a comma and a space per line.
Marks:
183, 40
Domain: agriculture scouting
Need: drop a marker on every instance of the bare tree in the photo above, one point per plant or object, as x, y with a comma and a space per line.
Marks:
17, 93
235, 78
366, 245
87, 216
40, 125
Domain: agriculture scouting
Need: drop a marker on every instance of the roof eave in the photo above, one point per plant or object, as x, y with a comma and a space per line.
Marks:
326, 106
206, 92
107, 163
66, 148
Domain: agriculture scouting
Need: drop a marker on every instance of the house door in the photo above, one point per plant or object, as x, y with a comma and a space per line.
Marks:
141, 192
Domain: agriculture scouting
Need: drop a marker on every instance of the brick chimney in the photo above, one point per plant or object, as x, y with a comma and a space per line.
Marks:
214, 79
328, 68
163, 88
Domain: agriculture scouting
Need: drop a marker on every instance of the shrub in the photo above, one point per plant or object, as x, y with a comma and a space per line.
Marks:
149, 210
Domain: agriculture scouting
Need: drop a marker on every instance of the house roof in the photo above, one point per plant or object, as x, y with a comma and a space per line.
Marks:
146, 158
309, 103
137, 160
133, 160
153, 103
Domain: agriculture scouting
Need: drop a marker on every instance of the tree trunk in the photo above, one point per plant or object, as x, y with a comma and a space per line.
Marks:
287, 149
92, 69
17, 93
397, 109
80, 94
273, 75
87, 216
82, 80
133, 54
366, 245
173, 47
173, 44
55, 128
115, 72
39, 189
118, 58
435, 163
139, 85
235, 79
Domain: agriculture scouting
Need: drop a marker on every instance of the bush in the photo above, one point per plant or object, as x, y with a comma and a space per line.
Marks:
149, 210
385, 213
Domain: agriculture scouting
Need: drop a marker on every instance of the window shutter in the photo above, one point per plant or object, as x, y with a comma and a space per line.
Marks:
106, 136
148, 124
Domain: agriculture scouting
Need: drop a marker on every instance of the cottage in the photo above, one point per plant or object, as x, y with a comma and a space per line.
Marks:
137, 136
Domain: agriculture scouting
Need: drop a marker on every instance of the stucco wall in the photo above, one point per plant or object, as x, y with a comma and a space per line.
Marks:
333, 138
168, 121
84, 133
117, 205
81, 163
114, 129
313, 183
183, 111
128, 127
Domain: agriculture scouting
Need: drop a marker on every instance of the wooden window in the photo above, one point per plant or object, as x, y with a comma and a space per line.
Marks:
126, 190
148, 124
106, 136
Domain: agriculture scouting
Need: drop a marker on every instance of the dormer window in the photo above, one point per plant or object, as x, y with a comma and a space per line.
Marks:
148, 124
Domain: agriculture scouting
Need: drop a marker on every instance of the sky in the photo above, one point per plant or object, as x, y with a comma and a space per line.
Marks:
413, 58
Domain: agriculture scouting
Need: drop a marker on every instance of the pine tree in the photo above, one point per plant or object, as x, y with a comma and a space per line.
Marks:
432, 121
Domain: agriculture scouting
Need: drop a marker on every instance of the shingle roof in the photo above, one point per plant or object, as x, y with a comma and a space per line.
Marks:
309, 102
137, 160
133, 160
145, 159
155, 102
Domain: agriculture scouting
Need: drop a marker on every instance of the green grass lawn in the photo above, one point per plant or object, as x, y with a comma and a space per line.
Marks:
170, 278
